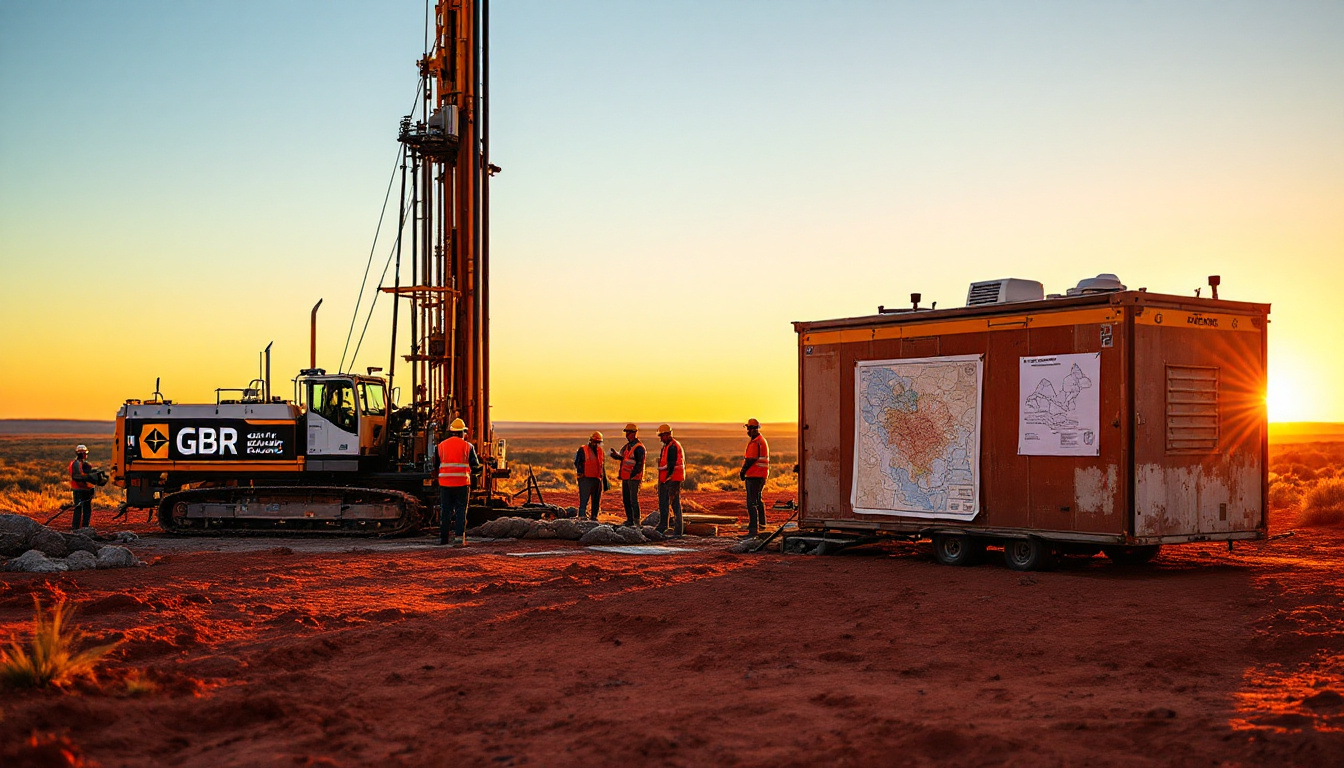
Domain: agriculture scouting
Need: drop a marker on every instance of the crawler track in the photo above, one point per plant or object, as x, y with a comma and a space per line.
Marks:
326, 510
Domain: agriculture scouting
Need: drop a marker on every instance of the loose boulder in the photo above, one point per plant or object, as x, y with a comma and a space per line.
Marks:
14, 533
113, 556
48, 542
519, 527
542, 530
126, 537
566, 528
629, 535
652, 519
34, 561
602, 534
651, 533
744, 546
79, 560
78, 542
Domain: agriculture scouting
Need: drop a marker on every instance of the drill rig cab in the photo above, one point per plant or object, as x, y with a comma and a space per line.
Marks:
345, 421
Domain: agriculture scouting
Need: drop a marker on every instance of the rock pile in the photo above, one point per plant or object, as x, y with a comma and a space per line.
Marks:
32, 547
583, 531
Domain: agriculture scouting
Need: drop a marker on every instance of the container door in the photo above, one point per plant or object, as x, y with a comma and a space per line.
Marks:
819, 434
1199, 426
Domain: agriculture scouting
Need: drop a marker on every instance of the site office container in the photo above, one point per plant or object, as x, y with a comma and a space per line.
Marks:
1182, 449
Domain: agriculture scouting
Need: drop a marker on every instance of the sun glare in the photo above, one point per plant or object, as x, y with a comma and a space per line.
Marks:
1285, 398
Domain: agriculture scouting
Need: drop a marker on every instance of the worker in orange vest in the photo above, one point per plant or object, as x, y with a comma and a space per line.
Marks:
591, 466
671, 471
755, 469
631, 473
82, 488
455, 461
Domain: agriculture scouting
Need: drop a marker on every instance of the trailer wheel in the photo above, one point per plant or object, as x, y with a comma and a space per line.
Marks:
956, 549
1027, 554
1131, 555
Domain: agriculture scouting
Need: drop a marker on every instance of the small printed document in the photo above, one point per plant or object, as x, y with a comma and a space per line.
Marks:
1059, 410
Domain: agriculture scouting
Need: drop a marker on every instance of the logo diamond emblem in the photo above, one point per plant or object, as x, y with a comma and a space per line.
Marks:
154, 441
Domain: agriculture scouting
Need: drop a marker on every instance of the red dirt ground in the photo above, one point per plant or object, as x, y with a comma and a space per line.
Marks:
359, 654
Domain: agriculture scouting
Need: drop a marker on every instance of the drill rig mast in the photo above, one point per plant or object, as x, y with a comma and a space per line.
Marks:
445, 183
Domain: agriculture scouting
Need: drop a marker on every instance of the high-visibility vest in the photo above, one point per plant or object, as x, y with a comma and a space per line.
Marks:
593, 461
628, 461
759, 450
454, 462
78, 485
677, 472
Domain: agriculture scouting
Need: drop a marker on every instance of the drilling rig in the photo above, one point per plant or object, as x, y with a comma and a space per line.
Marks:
341, 456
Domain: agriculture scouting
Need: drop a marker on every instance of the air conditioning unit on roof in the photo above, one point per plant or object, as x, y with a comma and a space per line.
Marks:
1004, 291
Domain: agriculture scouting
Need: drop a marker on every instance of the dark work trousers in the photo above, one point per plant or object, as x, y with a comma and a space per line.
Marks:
755, 507
669, 498
590, 488
630, 499
453, 511
83, 509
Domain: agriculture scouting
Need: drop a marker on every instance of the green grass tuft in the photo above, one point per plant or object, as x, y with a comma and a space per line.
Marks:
52, 658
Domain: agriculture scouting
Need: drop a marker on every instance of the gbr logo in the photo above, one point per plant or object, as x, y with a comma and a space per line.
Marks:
207, 441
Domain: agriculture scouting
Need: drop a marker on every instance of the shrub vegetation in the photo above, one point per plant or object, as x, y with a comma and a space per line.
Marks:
53, 656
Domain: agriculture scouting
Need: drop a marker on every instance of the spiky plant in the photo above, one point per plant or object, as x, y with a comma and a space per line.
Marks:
52, 657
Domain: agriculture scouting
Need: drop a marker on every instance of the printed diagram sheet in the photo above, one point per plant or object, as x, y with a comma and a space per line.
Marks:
1059, 410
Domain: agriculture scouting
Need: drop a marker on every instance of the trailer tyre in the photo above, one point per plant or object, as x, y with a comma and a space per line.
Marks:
956, 549
1027, 554
1131, 555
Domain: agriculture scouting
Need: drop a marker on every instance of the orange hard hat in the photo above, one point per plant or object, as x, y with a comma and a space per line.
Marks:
753, 423
631, 428
458, 425
596, 437
664, 429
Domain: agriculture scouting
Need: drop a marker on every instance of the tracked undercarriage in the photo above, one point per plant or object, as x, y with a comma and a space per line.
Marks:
282, 509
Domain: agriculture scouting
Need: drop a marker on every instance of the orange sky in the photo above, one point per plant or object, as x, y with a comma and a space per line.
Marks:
678, 185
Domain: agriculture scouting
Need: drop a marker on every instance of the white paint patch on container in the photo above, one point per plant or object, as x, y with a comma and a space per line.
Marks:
1094, 491
1182, 501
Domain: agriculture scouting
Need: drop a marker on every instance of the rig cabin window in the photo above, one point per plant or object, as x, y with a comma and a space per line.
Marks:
371, 399
335, 402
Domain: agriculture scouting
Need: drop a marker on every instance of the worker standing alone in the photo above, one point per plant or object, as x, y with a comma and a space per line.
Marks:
455, 460
591, 466
755, 470
631, 473
671, 471
82, 488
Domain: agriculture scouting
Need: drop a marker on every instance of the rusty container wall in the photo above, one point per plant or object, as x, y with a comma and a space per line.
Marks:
1063, 497
1201, 433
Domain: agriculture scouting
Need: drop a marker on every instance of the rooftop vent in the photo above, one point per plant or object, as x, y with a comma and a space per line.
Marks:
1004, 291
1103, 283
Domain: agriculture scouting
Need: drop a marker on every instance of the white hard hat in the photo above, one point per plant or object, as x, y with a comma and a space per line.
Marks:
81, 448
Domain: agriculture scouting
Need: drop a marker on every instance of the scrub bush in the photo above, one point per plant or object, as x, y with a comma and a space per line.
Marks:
51, 657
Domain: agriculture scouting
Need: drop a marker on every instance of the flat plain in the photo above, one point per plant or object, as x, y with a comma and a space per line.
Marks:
271, 651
